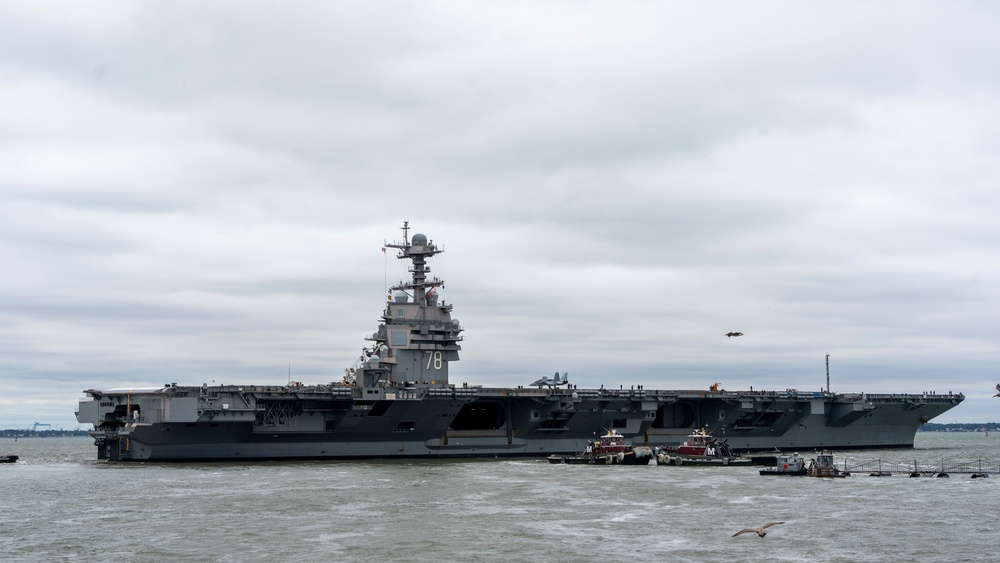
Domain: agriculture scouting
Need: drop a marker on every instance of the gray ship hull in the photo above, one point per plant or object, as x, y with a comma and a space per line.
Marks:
233, 423
397, 402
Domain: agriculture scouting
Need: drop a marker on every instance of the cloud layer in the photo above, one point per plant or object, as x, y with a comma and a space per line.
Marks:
199, 192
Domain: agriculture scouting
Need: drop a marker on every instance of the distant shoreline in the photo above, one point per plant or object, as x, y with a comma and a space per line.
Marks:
15, 433
961, 427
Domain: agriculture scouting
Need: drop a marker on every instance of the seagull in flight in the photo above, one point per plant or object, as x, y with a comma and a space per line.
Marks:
741, 334
759, 531
998, 389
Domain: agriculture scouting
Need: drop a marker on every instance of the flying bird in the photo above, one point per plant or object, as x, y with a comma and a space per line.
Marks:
998, 389
741, 334
759, 531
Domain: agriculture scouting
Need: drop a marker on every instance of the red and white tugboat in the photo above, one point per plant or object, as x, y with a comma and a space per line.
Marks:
609, 449
699, 443
700, 449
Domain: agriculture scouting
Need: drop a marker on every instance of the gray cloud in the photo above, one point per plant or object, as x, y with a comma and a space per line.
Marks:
200, 193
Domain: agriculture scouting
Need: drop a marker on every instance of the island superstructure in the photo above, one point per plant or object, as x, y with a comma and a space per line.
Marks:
397, 402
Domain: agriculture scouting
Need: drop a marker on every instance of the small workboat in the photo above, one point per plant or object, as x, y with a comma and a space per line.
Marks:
8, 458
823, 466
792, 465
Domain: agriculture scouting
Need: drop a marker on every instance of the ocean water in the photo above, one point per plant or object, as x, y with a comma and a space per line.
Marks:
59, 504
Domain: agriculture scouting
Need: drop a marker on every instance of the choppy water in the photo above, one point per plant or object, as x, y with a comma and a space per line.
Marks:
59, 504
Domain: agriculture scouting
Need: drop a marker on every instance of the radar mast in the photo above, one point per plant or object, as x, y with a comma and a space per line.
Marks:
417, 339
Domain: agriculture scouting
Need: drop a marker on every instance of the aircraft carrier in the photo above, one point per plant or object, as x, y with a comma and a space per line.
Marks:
397, 402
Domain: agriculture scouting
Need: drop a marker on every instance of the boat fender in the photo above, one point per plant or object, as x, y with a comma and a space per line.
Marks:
621, 457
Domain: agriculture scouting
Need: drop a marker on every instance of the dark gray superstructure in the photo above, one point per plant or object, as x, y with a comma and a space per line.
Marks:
397, 401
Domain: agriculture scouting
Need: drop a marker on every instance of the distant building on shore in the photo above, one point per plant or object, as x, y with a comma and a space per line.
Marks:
25, 433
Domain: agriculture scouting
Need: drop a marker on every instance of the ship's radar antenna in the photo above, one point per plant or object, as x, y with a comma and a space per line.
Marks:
406, 233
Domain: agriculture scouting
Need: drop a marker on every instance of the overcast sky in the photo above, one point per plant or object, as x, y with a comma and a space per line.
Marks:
199, 191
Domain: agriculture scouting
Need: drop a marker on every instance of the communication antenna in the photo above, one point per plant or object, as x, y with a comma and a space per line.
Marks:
828, 373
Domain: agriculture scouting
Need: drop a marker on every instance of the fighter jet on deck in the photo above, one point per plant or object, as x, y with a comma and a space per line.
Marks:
554, 382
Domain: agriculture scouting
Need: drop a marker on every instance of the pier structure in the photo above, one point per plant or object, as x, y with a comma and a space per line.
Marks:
942, 468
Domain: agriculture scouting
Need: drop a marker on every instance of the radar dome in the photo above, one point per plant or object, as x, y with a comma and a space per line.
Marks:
419, 239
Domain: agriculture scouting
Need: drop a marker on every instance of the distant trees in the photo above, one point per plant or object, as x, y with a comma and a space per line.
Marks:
961, 427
